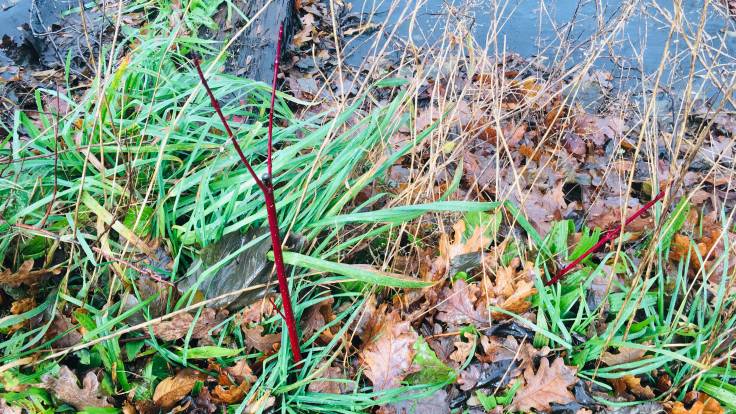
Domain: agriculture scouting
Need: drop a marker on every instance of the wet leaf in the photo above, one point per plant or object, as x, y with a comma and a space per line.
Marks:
172, 389
388, 359
25, 275
254, 338
549, 384
178, 326
431, 369
324, 385
458, 305
624, 356
705, 404
65, 388
631, 384
230, 394
241, 372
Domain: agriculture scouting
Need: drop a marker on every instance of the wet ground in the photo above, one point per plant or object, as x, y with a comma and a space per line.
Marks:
539, 28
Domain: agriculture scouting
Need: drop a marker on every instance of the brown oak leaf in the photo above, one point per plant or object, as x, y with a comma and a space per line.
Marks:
241, 372
458, 305
629, 384
388, 359
463, 348
255, 338
171, 390
324, 385
549, 384
178, 326
25, 275
66, 389
624, 356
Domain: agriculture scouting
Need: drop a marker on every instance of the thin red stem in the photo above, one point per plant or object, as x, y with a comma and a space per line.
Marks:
216, 106
266, 187
269, 164
607, 236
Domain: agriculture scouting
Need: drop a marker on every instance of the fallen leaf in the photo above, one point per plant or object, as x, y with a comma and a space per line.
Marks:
457, 306
315, 319
241, 372
66, 389
25, 275
632, 384
463, 348
705, 404
324, 385
230, 394
254, 338
305, 34
624, 356
260, 405
18, 307
178, 326
549, 384
388, 359
172, 389
9, 409
255, 312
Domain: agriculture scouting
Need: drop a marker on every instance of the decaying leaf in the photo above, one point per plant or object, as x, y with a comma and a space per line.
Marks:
230, 394
65, 387
463, 348
511, 290
316, 318
18, 307
254, 338
458, 305
549, 384
705, 404
624, 356
388, 359
324, 385
178, 326
255, 312
172, 389
631, 384
241, 372
25, 275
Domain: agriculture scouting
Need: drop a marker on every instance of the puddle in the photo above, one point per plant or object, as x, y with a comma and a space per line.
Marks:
538, 28
14, 14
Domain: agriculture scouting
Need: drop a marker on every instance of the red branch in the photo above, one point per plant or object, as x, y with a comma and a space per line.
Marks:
606, 237
266, 186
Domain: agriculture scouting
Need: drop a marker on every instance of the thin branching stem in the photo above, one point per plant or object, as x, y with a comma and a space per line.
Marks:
607, 236
266, 186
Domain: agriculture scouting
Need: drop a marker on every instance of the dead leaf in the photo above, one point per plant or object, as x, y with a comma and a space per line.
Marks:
632, 384
172, 389
457, 306
18, 307
549, 384
305, 34
463, 348
66, 389
26, 276
260, 405
230, 394
254, 338
705, 404
316, 318
388, 359
241, 372
255, 312
178, 326
323, 385
624, 356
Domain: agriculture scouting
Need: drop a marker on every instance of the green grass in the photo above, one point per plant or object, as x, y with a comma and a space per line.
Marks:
155, 164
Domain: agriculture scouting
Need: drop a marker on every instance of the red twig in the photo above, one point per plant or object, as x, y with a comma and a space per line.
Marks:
606, 237
266, 186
